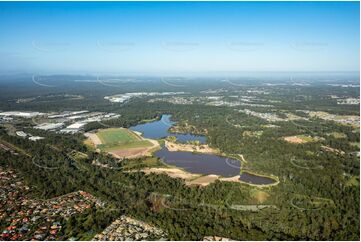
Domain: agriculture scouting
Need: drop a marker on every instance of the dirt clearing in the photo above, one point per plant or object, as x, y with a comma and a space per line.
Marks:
172, 172
203, 180
93, 138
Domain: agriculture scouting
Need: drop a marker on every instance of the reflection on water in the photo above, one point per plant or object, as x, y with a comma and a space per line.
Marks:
159, 129
194, 162
200, 163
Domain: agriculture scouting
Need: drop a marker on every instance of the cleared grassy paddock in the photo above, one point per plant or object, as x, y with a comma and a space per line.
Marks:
120, 139
116, 135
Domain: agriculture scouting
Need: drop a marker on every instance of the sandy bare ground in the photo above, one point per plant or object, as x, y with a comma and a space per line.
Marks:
172, 172
242, 157
151, 149
154, 142
295, 140
137, 133
260, 196
132, 153
203, 180
330, 149
230, 179
93, 138
190, 148
129, 153
215, 238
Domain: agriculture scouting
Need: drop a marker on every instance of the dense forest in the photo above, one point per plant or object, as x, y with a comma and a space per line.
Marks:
307, 172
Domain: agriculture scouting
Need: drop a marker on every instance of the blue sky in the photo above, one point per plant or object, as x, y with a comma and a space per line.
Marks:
118, 37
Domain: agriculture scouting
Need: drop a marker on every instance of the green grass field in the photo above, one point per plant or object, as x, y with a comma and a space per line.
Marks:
116, 135
119, 139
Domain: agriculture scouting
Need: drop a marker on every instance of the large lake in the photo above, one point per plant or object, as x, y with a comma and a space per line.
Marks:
194, 162
200, 163
159, 129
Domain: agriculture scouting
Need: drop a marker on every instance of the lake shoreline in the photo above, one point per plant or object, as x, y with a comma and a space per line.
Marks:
194, 161
203, 149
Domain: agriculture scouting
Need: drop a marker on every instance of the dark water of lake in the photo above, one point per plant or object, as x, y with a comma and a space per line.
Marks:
194, 162
200, 163
254, 179
159, 129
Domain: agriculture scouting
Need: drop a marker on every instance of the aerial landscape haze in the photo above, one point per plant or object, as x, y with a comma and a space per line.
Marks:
180, 121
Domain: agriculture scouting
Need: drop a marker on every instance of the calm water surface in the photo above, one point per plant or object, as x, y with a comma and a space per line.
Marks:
194, 162
200, 163
159, 129
254, 179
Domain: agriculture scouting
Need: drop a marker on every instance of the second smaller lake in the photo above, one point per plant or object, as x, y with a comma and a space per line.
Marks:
195, 162
254, 179
159, 129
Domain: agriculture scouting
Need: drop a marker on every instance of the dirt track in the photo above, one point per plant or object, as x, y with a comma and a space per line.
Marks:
203, 180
